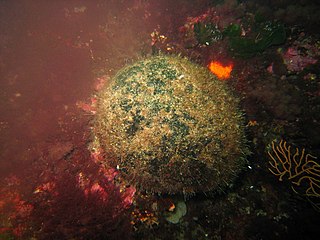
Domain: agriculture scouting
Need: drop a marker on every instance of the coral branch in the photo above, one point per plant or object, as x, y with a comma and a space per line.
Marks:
301, 169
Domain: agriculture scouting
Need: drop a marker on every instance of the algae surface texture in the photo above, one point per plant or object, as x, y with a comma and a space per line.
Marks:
171, 126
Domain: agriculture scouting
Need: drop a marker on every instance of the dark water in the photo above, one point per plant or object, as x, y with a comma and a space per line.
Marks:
53, 55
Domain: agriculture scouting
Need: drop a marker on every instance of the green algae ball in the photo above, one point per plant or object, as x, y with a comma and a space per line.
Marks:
171, 126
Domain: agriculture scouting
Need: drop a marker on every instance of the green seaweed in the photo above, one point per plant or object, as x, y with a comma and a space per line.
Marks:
263, 35
206, 33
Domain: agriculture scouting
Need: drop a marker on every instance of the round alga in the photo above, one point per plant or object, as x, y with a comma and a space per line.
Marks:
172, 127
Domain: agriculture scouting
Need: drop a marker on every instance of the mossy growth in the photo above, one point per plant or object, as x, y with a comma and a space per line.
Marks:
172, 127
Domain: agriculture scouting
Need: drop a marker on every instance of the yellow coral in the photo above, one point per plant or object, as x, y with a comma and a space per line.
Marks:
300, 168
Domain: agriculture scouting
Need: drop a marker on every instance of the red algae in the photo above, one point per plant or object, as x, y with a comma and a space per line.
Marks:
78, 201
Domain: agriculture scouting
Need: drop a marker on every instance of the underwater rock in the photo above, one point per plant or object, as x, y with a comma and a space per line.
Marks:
171, 126
296, 61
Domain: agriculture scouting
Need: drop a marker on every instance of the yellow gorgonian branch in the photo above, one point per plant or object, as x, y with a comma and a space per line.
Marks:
299, 168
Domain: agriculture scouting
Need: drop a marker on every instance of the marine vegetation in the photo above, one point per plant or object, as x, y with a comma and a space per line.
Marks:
262, 36
246, 39
207, 33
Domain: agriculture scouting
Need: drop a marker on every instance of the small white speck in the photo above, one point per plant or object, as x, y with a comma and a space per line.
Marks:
181, 76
